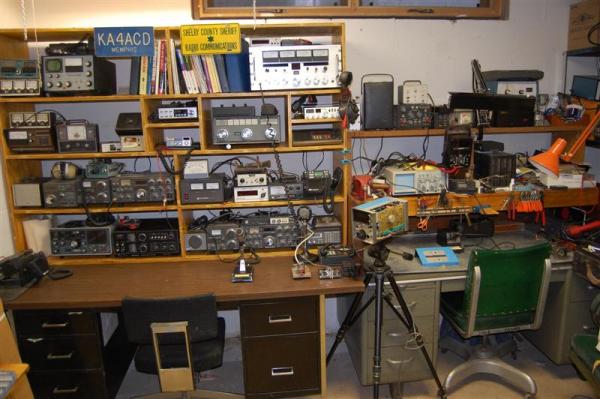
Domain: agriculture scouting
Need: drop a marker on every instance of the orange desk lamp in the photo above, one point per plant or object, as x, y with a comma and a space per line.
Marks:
548, 161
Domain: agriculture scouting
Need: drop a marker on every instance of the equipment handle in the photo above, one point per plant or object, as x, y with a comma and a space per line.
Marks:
412, 80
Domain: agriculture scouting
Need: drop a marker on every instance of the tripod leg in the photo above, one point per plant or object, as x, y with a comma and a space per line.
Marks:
349, 320
378, 322
412, 327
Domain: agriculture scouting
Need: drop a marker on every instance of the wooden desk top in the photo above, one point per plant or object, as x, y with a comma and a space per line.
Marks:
104, 286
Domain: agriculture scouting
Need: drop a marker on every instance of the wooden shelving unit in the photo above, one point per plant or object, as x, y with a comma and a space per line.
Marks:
487, 9
17, 166
365, 134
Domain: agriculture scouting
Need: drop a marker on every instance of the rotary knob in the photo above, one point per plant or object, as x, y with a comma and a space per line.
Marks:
222, 134
49, 84
270, 133
141, 237
103, 197
74, 244
269, 242
101, 184
58, 84
246, 133
88, 83
140, 194
143, 248
51, 199
67, 84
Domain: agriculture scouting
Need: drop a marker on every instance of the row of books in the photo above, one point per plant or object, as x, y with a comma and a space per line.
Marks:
192, 74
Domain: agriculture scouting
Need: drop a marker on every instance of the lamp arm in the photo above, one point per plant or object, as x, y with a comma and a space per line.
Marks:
582, 138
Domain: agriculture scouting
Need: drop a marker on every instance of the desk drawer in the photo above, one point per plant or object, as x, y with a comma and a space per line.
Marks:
399, 364
61, 353
420, 300
279, 317
55, 322
394, 333
582, 290
68, 385
281, 364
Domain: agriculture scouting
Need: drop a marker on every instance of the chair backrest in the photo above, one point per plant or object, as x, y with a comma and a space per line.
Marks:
512, 283
199, 311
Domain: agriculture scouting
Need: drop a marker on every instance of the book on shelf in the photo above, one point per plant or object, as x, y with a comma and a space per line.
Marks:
134, 76
174, 70
222, 72
238, 70
143, 74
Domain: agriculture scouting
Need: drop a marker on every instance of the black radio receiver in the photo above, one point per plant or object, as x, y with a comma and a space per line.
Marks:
147, 237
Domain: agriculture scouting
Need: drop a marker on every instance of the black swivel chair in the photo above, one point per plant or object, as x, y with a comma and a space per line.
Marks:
175, 338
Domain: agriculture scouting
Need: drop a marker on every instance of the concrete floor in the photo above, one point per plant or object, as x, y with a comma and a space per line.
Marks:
554, 382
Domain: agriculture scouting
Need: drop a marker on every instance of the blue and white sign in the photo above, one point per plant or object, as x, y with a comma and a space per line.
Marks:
132, 41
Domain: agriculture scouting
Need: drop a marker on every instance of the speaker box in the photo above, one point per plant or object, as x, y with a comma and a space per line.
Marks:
378, 104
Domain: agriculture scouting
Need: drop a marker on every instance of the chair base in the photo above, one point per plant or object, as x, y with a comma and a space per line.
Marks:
463, 349
485, 359
197, 394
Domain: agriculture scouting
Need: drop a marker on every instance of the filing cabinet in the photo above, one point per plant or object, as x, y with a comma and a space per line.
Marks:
402, 360
66, 352
281, 347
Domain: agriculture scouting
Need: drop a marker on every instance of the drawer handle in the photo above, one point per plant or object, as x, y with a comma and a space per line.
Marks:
394, 334
396, 363
55, 325
52, 356
585, 327
35, 340
281, 371
75, 313
280, 319
65, 391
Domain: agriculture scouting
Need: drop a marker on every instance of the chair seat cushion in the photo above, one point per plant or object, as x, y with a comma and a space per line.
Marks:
451, 305
206, 355
584, 346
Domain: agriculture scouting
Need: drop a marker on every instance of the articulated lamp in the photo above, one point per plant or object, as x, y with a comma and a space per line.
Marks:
548, 161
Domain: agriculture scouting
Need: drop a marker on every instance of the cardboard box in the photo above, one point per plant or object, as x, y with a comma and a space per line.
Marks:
582, 17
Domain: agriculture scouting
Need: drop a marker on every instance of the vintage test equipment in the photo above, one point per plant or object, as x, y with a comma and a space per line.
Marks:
132, 143
195, 168
437, 256
420, 180
321, 111
62, 193
327, 230
176, 112
378, 103
458, 147
31, 140
413, 116
201, 190
74, 238
496, 168
96, 191
77, 136
195, 241
149, 237
518, 88
77, 74
223, 236
310, 137
270, 231
378, 219
129, 124
441, 115
19, 78
28, 192
295, 67
245, 130
251, 179
142, 187
277, 190
413, 92
251, 194
42, 119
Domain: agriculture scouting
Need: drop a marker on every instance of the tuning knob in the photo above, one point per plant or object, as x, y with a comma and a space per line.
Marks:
222, 134
51, 199
270, 133
361, 235
269, 242
102, 197
101, 184
246, 133
74, 244
140, 194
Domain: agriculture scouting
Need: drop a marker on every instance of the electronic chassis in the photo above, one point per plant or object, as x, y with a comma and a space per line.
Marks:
381, 271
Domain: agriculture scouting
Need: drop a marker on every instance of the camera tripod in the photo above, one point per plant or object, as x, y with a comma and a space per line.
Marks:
381, 271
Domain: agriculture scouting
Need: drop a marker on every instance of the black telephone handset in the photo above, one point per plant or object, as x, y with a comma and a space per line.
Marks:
329, 195
336, 179
32, 266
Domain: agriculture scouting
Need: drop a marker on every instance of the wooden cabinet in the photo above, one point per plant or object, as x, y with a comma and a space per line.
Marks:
402, 360
483, 9
281, 347
67, 356
17, 166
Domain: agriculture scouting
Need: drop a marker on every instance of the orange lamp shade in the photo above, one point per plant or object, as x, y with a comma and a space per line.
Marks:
548, 161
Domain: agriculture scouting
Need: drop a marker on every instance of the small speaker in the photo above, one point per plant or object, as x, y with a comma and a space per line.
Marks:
196, 241
378, 103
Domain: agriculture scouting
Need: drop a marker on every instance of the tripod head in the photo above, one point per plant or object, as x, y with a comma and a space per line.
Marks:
379, 252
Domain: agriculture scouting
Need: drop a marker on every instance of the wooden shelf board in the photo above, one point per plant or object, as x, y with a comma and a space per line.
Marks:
261, 204
84, 155
268, 150
95, 209
172, 125
71, 99
315, 121
441, 132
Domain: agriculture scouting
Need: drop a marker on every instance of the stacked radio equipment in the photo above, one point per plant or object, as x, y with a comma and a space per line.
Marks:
199, 186
147, 237
77, 136
31, 132
240, 125
75, 238
414, 109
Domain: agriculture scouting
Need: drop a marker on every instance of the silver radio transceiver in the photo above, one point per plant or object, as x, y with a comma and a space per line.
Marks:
314, 66
250, 194
251, 179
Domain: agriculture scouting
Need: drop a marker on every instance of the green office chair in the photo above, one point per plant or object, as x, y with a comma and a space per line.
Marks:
505, 291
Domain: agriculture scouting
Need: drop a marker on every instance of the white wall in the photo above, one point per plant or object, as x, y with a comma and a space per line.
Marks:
438, 52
